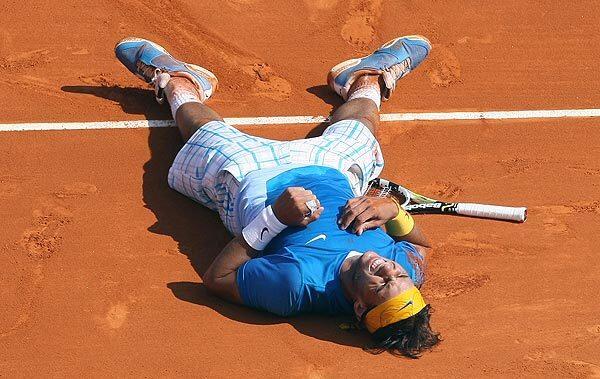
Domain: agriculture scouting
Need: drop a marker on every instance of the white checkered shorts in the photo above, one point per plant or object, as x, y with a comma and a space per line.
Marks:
211, 165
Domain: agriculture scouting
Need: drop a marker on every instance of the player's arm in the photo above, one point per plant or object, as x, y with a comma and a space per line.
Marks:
416, 237
220, 276
288, 210
367, 212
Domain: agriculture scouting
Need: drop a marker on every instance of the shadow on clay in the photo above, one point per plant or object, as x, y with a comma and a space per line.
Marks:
197, 230
316, 326
132, 100
328, 96
325, 93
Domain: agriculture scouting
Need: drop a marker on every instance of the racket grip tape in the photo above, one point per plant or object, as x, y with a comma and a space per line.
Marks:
518, 214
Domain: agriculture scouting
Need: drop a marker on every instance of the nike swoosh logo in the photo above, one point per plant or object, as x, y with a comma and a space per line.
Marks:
263, 232
406, 305
319, 237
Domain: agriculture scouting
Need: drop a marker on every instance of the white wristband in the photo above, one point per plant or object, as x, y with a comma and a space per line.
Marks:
262, 229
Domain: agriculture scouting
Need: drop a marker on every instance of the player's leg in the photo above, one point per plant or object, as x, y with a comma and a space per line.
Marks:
364, 82
185, 86
363, 102
189, 113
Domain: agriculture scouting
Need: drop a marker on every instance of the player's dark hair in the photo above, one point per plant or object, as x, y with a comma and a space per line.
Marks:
408, 337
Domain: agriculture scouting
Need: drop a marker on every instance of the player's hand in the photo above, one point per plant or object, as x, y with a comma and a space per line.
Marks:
366, 212
291, 209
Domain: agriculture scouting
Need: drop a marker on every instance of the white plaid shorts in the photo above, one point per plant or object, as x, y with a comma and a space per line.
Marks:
211, 165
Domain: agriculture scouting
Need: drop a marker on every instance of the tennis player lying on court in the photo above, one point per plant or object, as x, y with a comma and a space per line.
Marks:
306, 240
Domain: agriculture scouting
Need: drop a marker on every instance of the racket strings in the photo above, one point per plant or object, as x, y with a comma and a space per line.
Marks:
384, 192
377, 191
383, 188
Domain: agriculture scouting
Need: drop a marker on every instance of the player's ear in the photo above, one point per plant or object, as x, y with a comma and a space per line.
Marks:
359, 309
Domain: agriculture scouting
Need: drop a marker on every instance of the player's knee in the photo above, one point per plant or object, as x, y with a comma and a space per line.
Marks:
370, 122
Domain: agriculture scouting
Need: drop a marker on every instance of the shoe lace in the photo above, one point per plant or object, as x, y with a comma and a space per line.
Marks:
148, 71
395, 72
158, 78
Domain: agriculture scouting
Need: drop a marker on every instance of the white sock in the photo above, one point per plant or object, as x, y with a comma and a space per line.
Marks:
371, 92
180, 97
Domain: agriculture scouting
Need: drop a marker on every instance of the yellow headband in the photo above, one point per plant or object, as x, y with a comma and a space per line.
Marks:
401, 307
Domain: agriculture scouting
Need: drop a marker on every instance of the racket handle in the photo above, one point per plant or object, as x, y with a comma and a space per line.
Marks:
492, 211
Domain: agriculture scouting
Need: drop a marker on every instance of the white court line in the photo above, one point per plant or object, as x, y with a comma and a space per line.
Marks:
280, 120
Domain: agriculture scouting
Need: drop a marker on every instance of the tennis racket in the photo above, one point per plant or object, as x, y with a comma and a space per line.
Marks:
414, 203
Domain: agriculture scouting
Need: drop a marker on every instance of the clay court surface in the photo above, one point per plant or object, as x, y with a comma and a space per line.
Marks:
102, 263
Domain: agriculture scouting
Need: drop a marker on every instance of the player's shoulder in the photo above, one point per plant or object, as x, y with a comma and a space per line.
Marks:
272, 282
280, 266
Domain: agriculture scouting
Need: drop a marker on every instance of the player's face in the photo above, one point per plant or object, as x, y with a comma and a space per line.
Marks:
377, 279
